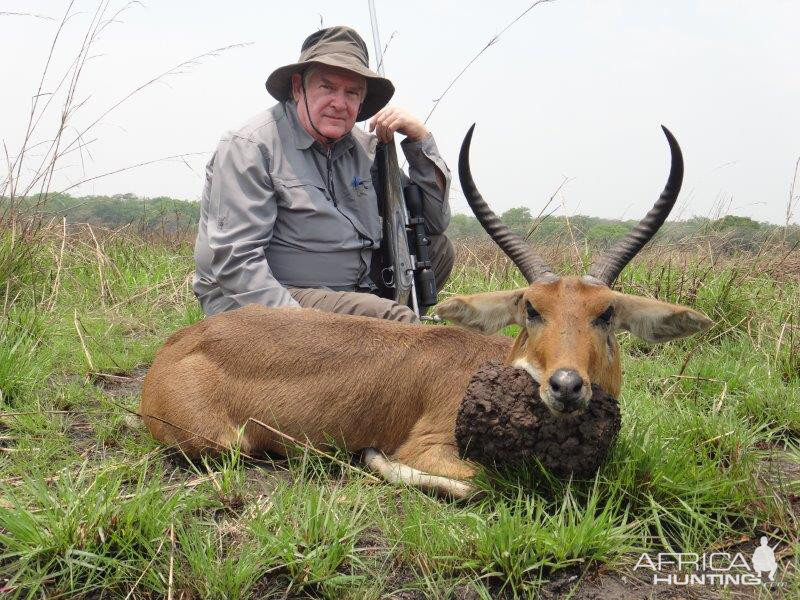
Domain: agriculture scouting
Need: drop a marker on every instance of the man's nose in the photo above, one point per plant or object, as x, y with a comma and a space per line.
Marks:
339, 101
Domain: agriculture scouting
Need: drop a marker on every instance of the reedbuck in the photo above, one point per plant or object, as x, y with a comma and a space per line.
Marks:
256, 375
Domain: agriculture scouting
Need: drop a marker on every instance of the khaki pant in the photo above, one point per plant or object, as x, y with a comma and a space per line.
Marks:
442, 257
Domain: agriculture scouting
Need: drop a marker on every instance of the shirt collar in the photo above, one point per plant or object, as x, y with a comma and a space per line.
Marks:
304, 141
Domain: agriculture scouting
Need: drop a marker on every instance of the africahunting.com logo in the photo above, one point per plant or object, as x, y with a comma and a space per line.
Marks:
714, 568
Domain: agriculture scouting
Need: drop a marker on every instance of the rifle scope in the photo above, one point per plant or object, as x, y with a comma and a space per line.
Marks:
418, 242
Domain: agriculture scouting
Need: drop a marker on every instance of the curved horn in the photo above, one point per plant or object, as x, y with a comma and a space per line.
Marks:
609, 266
531, 266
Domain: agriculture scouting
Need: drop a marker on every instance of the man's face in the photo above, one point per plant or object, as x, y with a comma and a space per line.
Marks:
334, 97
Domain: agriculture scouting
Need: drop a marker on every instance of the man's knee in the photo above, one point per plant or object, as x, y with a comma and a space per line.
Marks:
389, 309
369, 305
353, 303
215, 302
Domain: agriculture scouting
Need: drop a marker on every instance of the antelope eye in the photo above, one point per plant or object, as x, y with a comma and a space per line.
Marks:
604, 319
533, 314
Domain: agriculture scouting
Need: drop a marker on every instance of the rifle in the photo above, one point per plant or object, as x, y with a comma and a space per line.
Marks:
402, 271
394, 266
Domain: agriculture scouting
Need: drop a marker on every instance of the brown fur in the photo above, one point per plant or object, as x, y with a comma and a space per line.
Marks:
323, 378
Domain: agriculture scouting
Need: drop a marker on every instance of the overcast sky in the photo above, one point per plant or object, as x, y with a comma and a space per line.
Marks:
575, 89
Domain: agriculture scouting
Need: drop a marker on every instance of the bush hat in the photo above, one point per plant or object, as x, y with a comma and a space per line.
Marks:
340, 47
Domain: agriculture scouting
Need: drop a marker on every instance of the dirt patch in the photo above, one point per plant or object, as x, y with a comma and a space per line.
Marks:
503, 420
82, 435
779, 466
121, 384
779, 474
602, 584
372, 543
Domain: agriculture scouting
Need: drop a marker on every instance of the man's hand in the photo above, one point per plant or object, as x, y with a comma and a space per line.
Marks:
391, 119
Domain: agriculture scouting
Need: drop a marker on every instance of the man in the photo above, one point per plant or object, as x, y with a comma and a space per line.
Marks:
289, 213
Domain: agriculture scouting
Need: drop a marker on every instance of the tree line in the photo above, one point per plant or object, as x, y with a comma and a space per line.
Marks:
146, 215
728, 234
164, 214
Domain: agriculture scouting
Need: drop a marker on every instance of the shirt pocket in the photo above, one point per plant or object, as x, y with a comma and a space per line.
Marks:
307, 219
302, 195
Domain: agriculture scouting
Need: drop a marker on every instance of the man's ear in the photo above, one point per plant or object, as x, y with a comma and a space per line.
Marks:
656, 321
297, 88
487, 312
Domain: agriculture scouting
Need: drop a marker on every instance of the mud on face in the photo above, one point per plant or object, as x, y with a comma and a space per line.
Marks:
503, 420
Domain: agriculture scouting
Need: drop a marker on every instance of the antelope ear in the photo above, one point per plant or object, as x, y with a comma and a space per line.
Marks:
656, 321
487, 312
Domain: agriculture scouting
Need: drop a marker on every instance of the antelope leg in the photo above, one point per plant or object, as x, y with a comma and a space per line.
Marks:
395, 472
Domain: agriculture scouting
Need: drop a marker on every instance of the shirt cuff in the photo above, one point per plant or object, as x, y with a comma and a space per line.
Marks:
422, 155
419, 150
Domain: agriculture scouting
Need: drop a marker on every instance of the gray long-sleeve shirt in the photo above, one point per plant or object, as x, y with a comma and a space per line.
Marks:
279, 210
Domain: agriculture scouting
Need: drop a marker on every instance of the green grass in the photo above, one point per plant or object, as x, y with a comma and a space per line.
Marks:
707, 456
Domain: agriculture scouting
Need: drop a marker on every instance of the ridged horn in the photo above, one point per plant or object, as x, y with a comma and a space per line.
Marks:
610, 264
531, 266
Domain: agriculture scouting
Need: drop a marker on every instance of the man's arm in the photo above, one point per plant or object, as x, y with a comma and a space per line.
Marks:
428, 170
426, 167
241, 216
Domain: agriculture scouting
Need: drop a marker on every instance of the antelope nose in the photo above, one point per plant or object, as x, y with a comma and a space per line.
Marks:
565, 386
